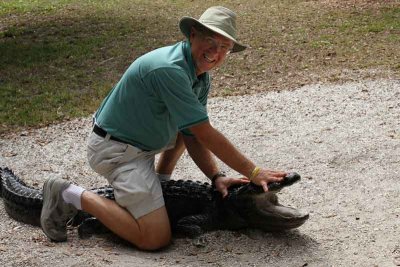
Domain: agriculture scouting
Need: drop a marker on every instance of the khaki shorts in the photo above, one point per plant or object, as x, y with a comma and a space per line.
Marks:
130, 171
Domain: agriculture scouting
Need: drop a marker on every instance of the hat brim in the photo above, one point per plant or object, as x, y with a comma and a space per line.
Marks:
186, 24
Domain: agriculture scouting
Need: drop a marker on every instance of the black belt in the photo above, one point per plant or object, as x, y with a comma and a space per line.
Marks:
103, 133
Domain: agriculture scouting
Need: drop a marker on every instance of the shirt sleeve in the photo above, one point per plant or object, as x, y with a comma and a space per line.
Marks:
174, 88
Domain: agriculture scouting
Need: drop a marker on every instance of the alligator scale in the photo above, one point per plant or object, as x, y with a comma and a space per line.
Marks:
193, 207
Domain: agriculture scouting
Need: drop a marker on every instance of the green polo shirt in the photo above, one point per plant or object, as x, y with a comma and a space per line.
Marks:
157, 96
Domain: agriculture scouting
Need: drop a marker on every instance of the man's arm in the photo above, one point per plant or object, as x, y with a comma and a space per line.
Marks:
201, 156
220, 146
169, 158
205, 160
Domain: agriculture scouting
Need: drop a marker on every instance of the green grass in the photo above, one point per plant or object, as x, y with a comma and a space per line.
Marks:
60, 58
21, 6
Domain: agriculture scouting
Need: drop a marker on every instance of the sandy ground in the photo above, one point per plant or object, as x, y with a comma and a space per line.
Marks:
343, 139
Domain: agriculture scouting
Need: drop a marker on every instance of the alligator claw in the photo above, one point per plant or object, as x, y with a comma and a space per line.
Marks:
91, 226
200, 242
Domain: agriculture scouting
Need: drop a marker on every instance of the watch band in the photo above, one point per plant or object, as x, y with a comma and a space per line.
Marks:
215, 176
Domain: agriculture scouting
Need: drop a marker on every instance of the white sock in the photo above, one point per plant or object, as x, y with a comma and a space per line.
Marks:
164, 177
72, 195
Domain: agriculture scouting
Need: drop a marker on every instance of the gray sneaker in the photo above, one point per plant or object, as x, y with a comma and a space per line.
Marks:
55, 212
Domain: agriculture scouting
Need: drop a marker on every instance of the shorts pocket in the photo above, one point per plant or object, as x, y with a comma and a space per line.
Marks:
106, 156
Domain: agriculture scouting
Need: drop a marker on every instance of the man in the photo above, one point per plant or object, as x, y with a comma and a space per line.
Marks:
158, 106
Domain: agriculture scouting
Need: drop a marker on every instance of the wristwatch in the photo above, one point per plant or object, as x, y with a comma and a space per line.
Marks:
215, 176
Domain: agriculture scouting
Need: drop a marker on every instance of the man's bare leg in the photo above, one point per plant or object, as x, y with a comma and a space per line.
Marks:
150, 232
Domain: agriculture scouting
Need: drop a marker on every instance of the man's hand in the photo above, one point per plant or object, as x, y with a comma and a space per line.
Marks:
264, 177
222, 183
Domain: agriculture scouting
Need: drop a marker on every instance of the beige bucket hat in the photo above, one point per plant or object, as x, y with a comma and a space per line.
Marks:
217, 19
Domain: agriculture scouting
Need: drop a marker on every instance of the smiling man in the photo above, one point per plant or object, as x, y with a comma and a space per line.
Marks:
158, 106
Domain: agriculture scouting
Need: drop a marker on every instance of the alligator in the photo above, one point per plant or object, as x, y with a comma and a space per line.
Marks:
193, 207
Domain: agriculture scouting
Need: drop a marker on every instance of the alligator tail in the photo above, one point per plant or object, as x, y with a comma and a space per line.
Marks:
22, 203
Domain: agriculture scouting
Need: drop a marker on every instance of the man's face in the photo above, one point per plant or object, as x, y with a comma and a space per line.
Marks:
208, 52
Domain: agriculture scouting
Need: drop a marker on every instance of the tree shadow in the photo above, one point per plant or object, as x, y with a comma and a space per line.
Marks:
70, 38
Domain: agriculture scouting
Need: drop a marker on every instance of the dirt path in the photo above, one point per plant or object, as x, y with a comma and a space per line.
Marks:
343, 139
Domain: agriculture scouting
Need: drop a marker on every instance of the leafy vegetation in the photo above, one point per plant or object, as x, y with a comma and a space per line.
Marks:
60, 58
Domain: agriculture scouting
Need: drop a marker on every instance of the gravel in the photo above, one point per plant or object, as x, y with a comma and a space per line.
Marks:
343, 139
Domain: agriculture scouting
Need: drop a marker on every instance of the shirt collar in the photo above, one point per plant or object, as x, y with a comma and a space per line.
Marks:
187, 50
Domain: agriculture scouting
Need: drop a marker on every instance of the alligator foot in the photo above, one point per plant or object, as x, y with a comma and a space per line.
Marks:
200, 242
91, 226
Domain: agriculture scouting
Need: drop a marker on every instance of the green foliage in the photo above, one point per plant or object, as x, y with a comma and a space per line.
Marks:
60, 58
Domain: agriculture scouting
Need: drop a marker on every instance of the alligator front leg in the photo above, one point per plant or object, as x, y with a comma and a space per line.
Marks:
192, 226
91, 226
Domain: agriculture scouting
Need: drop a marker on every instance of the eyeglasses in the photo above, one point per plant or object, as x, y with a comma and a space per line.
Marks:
213, 43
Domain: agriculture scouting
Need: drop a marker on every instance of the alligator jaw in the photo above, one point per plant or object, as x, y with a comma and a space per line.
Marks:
273, 216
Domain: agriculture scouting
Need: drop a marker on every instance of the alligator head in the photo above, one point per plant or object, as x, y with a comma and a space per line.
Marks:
249, 206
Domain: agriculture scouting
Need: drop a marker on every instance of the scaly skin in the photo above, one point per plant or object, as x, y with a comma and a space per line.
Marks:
193, 207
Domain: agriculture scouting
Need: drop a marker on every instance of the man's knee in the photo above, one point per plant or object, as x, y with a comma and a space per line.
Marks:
155, 230
155, 241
